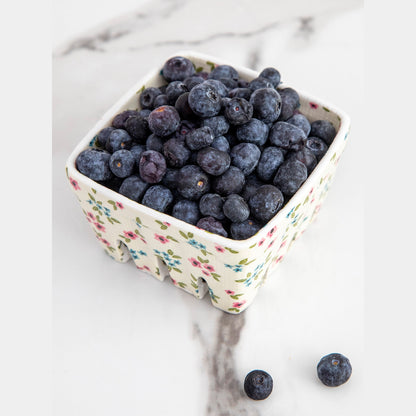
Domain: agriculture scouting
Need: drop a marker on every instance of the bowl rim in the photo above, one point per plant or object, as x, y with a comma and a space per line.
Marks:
344, 126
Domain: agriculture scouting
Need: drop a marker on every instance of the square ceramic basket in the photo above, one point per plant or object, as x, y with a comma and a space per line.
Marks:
197, 261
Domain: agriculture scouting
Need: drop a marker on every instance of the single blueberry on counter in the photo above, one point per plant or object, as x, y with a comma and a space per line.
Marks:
258, 384
334, 370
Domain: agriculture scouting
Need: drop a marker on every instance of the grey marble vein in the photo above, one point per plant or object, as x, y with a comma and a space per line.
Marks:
226, 396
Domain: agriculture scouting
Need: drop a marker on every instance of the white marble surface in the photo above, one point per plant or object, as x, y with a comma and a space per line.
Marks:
127, 344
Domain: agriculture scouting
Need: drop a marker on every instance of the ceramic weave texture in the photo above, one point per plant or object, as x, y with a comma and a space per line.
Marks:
196, 260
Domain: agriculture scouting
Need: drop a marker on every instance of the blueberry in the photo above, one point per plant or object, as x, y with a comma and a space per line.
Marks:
120, 119
260, 82
114, 183
258, 384
184, 128
218, 125
147, 97
235, 208
164, 120
290, 102
152, 166
244, 230
232, 139
317, 146
299, 120
160, 100
193, 182
255, 131
221, 143
224, 71
187, 211
183, 108
190, 82
266, 104
154, 142
272, 74
94, 163
242, 83
133, 188
290, 176
213, 161
219, 86
238, 111
170, 180
199, 138
122, 163
245, 156
266, 202
137, 150
334, 369
252, 184
138, 128
174, 90
118, 139
212, 225
177, 69
176, 153
240, 93
323, 129
103, 135
230, 182
204, 100
305, 156
158, 197
203, 74
287, 136
211, 205
270, 160
144, 113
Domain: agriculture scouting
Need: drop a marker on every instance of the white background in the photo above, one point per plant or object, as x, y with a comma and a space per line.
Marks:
25, 295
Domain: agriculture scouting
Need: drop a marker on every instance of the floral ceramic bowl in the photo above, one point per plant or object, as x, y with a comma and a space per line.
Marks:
197, 261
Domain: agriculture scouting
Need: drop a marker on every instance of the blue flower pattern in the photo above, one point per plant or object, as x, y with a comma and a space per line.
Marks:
167, 258
137, 253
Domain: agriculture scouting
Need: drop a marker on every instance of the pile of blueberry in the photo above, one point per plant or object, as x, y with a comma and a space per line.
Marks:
210, 149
